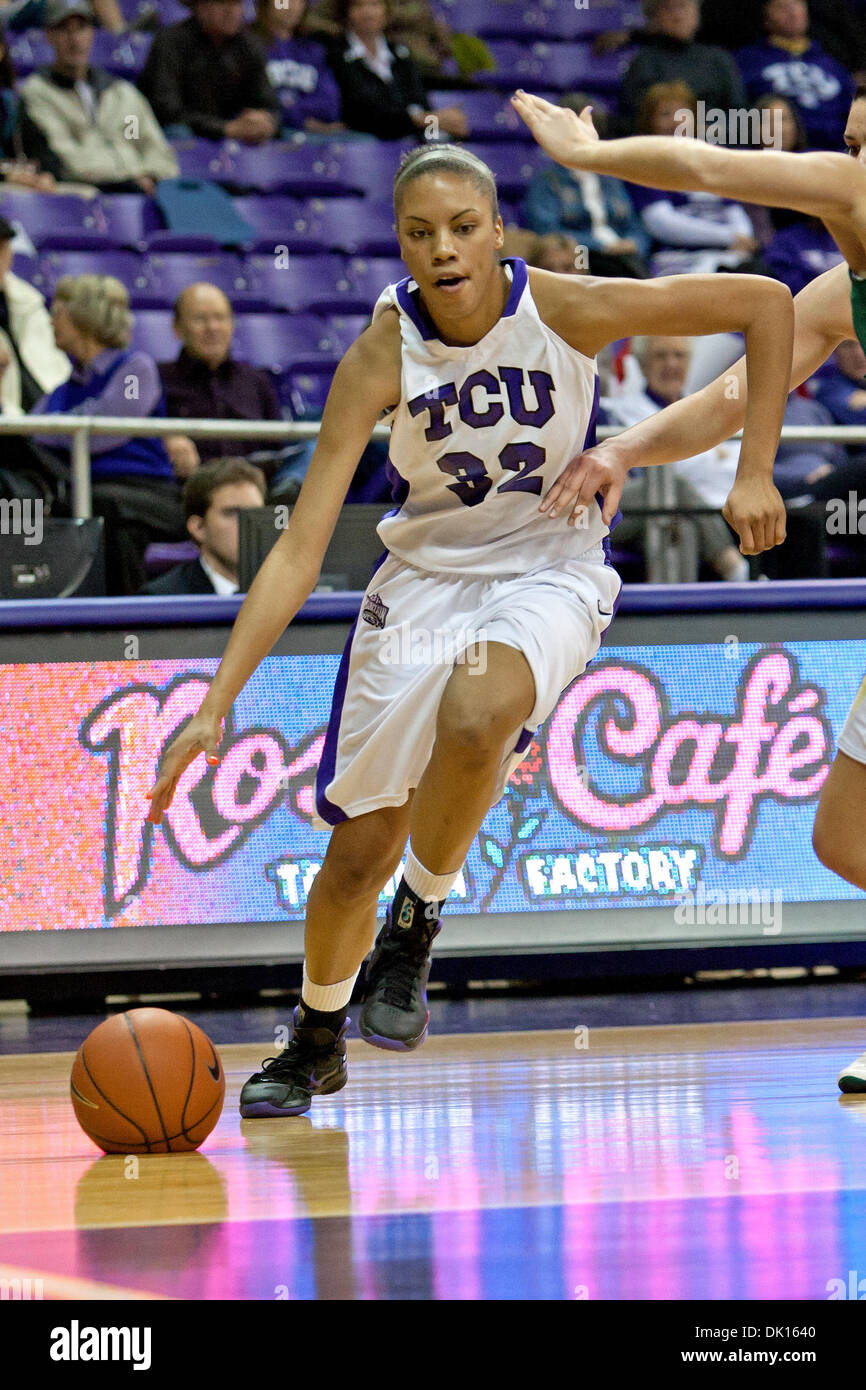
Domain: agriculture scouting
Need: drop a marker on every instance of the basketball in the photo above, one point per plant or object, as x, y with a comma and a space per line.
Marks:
147, 1081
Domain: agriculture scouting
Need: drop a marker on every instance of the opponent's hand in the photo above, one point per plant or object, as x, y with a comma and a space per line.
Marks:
756, 512
201, 735
600, 469
559, 131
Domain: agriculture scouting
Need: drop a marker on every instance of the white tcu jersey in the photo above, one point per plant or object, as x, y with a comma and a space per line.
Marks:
479, 436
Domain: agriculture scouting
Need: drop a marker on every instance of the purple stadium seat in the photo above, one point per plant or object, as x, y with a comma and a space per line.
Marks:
122, 54
358, 227
574, 67
312, 284
559, 19
161, 556
278, 221
166, 275
204, 159
153, 332
24, 266
57, 220
168, 11
509, 56
305, 392
29, 51
371, 274
308, 171
281, 341
135, 221
131, 218
490, 114
126, 266
344, 331
513, 165
368, 166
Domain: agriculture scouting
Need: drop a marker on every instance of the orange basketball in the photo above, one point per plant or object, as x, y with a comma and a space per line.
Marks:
147, 1081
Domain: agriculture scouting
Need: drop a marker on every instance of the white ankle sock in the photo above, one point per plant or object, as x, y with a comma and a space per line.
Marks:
430, 887
326, 999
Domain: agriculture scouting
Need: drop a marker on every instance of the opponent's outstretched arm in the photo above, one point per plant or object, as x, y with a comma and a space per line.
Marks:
701, 421
602, 311
823, 184
365, 383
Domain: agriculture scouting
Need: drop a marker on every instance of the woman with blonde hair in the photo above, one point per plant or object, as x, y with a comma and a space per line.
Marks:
133, 483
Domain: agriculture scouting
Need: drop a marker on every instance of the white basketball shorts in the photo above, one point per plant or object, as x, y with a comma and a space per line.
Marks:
852, 739
413, 627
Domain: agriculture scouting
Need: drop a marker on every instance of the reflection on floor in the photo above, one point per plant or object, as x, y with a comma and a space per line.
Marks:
709, 1161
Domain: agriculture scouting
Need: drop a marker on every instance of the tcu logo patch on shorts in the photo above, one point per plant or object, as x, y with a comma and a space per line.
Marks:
374, 611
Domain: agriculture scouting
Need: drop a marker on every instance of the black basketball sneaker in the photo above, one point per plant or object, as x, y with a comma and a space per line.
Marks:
312, 1064
394, 1014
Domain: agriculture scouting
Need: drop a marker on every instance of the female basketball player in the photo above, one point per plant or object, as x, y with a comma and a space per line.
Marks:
828, 311
487, 372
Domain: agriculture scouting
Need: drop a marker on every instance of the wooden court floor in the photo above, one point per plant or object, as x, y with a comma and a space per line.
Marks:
707, 1161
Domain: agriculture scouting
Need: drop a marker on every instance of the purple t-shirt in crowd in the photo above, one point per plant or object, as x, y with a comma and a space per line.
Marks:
819, 87
299, 73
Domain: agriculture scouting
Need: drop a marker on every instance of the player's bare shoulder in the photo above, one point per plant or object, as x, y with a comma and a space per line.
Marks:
373, 364
826, 303
568, 305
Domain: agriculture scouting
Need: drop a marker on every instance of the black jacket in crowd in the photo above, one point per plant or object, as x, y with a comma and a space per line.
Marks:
190, 80
368, 103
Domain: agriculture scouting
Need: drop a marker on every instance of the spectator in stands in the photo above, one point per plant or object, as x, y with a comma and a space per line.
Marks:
800, 252
99, 126
382, 88
598, 211
412, 23
692, 232
207, 76
30, 14
297, 68
843, 390
206, 382
779, 129
30, 365
669, 54
557, 251
789, 62
132, 483
212, 497
837, 27
801, 464
703, 481
25, 156
842, 393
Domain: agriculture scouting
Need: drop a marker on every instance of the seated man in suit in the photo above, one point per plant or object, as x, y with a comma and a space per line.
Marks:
212, 497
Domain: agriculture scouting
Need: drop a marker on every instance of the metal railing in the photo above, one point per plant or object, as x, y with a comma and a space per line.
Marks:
669, 560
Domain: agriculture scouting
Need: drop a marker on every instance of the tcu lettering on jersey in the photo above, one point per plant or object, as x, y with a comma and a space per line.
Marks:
481, 433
